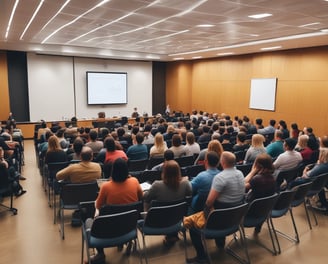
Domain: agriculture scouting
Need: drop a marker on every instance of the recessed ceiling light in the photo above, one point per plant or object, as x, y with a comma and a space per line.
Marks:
310, 24
197, 57
205, 25
225, 53
178, 58
271, 48
258, 16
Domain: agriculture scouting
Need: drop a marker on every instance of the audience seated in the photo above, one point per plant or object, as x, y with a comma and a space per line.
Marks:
275, 148
303, 148
241, 143
54, 152
213, 145
95, 144
191, 146
178, 149
75, 152
270, 129
159, 146
138, 151
256, 148
109, 154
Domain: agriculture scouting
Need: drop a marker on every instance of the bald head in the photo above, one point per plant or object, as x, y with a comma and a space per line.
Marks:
227, 159
86, 154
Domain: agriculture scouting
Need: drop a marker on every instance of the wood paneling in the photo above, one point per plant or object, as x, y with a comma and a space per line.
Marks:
223, 85
4, 90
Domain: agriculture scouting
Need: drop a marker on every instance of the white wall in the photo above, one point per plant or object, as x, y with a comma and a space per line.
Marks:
57, 87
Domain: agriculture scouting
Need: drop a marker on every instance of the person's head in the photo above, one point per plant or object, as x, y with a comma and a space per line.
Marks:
120, 171
259, 121
120, 132
60, 132
171, 174
272, 122
303, 141
53, 144
86, 154
109, 144
227, 159
176, 140
159, 139
101, 115
168, 155
241, 137
324, 142
263, 163
78, 145
211, 159
290, 143
258, 140
139, 138
294, 126
190, 138
216, 146
170, 129
93, 135
278, 135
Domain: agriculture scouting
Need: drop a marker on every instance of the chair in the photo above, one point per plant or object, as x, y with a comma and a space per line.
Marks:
281, 208
259, 212
163, 220
153, 161
110, 231
244, 168
193, 170
299, 198
240, 155
137, 166
286, 175
227, 146
318, 184
119, 208
6, 188
149, 176
51, 171
185, 161
72, 194
223, 222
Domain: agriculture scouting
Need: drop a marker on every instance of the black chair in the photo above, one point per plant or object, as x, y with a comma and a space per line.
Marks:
193, 170
286, 175
149, 176
7, 188
163, 220
259, 212
137, 166
299, 199
72, 194
240, 155
281, 208
110, 231
185, 161
227, 146
120, 208
244, 168
154, 161
224, 222
318, 184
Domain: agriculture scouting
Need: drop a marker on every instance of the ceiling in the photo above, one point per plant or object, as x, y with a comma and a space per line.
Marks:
161, 30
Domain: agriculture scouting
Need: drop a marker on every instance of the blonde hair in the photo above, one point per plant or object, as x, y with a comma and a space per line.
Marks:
258, 140
323, 156
159, 142
53, 144
303, 141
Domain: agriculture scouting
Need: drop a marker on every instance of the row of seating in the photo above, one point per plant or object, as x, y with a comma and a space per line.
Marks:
166, 218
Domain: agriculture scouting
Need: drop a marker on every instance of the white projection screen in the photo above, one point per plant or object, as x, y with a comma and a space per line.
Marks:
263, 94
105, 88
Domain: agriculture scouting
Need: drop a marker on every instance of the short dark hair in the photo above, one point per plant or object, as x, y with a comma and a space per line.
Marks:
176, 140
212, 158
291, 143
139, 138
241, 136
93, 134
110, 144
86, 154
272, 122
120, 171
168, 154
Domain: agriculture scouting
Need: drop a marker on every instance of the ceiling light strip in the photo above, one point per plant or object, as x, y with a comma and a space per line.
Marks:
251, 43
58, 12
74, 20
32, 18
11, 18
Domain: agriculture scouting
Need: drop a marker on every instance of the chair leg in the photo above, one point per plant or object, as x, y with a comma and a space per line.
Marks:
82, 249
243, 244
273, 236
206, 249
62, 223
307, 215
313, 211
144, 248
297, 239
278, 251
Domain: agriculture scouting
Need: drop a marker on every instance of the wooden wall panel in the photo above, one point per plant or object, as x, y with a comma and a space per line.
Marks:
4, 90
223, 85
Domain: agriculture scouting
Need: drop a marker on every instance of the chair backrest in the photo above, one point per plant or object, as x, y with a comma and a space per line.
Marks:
165, 216
153, 161
283, 203
137, 165
259, 210
227, 146
185, 161
54, 167
120, 208
87, 210
287, 175
149, 176
114, 225
301, 192
318, 183
240, 155
193, 170
74, 193
228, 219
244, 168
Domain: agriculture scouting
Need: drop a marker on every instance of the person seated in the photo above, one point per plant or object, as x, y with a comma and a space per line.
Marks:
64, 144
178, 149
256, 148
275, 148
54, 152
138, 151
213, 145
303, 148
135, 113
270, 129
75, 152
241, 143
119, 190
95, 144
110, 153
82, 172
201, 184
192, 147
172, 187
168, 155
159, 147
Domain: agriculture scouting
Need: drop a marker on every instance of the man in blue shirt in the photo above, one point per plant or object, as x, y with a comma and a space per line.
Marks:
275, 148
201, 184
138, 151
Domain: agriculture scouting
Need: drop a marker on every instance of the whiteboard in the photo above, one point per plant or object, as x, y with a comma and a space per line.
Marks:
263, 94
